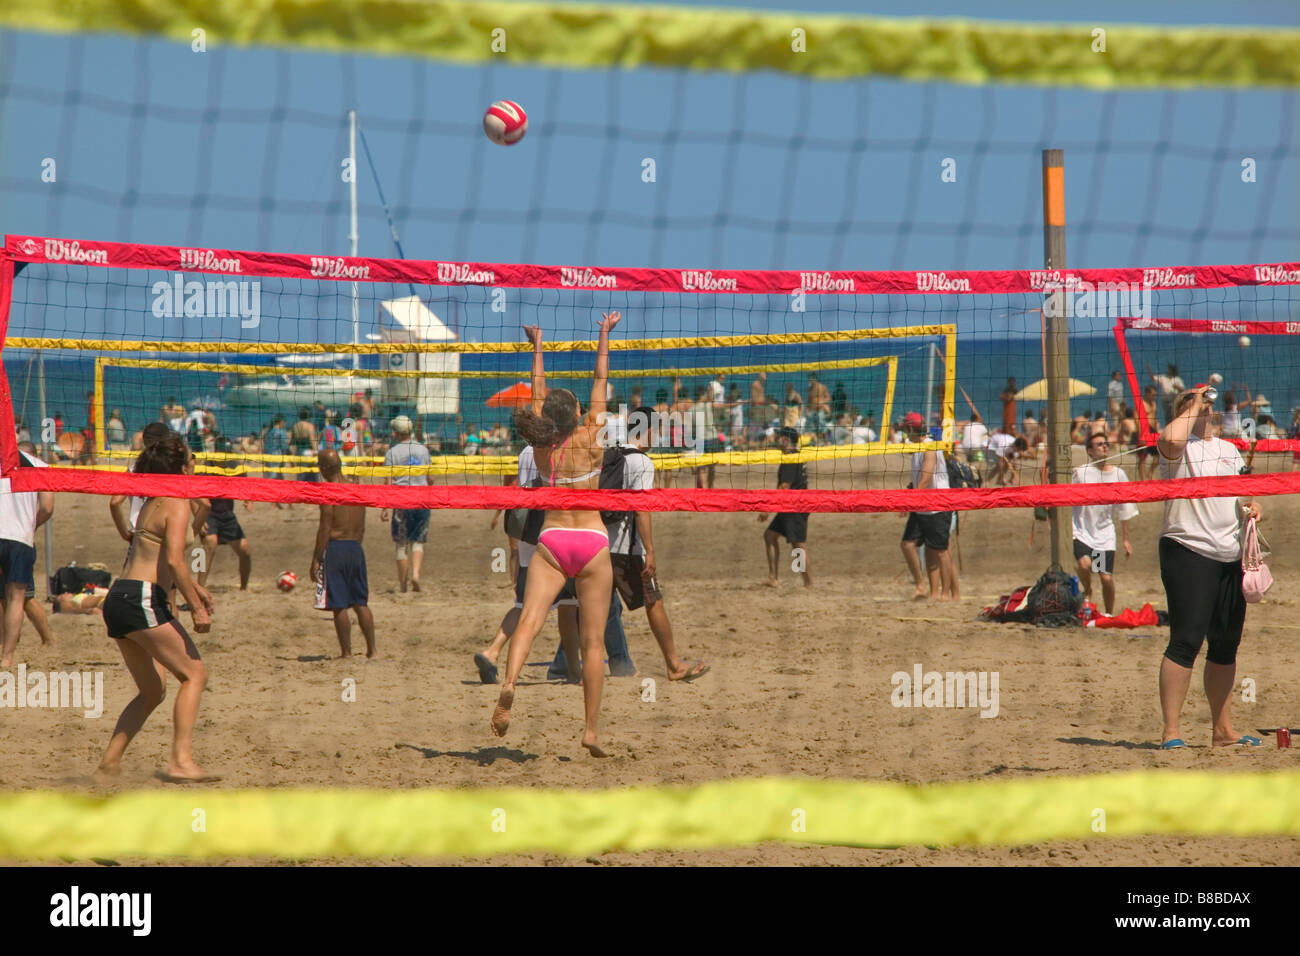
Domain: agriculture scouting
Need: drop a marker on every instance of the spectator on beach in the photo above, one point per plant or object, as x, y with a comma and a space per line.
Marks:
819, 403
1008, 399
1200, 565
1115, 396
842, 430
929, 528
302, 441
410, 526
115, 431
1171, 386
21, 513
792, 417
839, 400
757, 394
863, 431
736, 408
999, 448
1094, 525
974, 438
1231, 417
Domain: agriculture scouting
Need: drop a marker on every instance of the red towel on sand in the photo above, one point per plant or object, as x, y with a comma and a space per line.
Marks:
1128, 618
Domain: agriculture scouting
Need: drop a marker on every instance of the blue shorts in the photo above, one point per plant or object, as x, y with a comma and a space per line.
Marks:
17, 562
410, 525
345, 576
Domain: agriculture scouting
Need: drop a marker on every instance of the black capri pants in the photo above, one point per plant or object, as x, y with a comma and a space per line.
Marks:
1205, 601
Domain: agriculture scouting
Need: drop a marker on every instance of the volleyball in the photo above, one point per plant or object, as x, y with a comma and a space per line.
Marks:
505, 122
1244, 341
1216, 379
286, 581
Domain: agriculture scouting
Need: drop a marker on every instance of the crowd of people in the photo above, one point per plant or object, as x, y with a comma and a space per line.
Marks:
591, 565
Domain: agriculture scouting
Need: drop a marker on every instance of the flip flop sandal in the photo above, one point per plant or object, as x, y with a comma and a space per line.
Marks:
1175, 744
692, 674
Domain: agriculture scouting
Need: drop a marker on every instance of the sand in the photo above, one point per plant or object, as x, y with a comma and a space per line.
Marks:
800, 682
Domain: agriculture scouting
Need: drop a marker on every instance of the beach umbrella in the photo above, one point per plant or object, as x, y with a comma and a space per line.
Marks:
1038, 391
516, 396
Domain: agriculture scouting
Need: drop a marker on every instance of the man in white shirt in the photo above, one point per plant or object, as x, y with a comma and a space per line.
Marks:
410, 526
1094, 525
999, 449
1115, 397
21, 513
929, 528
1170, 385
975, 438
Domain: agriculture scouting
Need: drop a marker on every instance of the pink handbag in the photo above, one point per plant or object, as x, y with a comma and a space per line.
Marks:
1256, 578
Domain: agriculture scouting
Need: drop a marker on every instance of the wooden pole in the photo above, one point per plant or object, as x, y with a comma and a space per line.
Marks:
1057, 344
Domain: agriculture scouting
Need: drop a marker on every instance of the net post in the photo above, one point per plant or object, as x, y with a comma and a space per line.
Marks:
1057, 346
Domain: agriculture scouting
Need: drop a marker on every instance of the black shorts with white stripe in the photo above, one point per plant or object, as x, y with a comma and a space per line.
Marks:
135, 606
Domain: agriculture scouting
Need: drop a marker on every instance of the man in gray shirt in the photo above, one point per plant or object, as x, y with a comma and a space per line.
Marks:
410, 525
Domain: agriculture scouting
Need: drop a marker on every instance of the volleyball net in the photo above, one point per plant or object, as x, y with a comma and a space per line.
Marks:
261, 360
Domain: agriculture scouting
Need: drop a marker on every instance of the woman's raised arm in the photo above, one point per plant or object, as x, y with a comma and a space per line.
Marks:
534, 334
600, 385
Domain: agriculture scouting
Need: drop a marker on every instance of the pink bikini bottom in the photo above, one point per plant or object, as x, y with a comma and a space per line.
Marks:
573, 548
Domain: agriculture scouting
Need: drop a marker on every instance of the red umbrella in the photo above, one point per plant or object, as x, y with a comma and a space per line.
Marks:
516, 396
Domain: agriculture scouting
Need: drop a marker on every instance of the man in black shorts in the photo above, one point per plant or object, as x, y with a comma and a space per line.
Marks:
21, 513
929, 528
792, 526
222, 527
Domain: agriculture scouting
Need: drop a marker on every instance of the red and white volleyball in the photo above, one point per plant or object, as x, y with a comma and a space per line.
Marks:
287, 581
505, 122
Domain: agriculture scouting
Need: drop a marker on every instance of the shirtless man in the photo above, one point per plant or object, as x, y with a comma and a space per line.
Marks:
340, 562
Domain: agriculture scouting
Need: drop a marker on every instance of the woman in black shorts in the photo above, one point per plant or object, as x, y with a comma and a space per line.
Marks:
139, 617
1200, 565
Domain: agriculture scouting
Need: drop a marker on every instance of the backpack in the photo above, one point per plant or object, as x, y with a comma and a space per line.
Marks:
961, 475
612, 477
73, 579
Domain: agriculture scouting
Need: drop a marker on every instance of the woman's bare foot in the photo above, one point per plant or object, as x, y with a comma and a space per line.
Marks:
107, 773
807, 580
772, 583
919, 595
187, 773
501, 713
595, 749
415, 584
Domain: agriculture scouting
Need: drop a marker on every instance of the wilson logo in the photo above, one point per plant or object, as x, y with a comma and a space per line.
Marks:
1218, 325
1168, 277
29, 247
1052, 279
706, 282
586, 278
939, 282
205, 260
824, 282
453, 273
328, 268
56, 250
1276, 274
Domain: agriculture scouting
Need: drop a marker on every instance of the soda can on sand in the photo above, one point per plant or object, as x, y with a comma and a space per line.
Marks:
1283, 738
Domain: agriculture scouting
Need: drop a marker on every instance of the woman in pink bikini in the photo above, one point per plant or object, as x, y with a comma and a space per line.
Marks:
572, 544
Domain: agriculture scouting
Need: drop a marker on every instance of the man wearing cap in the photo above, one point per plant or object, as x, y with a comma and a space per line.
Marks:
410, 525
929, 528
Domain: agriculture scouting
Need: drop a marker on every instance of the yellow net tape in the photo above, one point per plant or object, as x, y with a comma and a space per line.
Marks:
600, 36
314, 824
